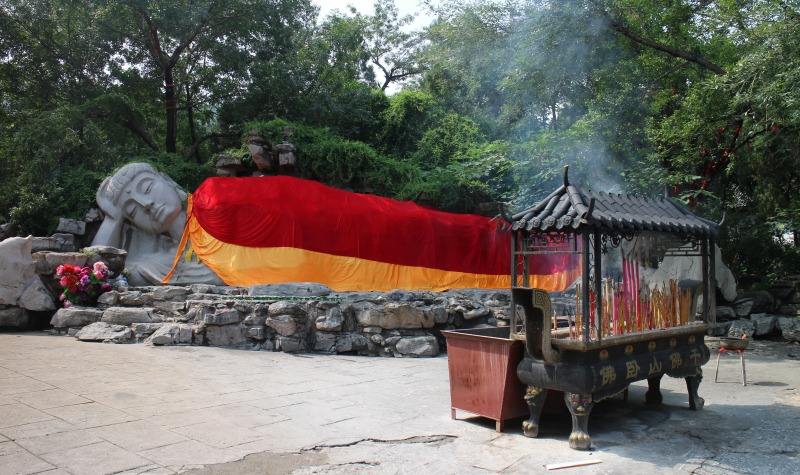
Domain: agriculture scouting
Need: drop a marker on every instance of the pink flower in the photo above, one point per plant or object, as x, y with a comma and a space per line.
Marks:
106, 287
62, 297
100, 266
59, 270
99, 275
64, 281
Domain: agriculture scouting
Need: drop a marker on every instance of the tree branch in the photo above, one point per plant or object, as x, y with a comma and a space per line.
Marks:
677, 53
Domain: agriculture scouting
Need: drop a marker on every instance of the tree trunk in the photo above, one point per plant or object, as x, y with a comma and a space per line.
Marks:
190, 119
170, 105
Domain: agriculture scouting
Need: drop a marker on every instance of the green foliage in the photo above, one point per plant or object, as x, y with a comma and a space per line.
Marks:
409, 115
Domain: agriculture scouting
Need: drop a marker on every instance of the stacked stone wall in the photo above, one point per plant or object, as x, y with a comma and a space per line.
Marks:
290, 318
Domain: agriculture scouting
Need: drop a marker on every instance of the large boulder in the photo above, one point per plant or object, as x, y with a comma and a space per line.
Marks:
75, 317
226, 335
284, 307
418, 346
222, 316
331, 321
764, 324
395, 315
127, 315
171, 334
113, 258
13, 317
59, 242
283, 325
105, 332
36, 297
46, 262
71, 226
16, 269
743, 307
763, 301
170, 292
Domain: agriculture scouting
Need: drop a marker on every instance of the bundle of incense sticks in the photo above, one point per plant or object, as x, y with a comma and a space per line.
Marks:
628, 308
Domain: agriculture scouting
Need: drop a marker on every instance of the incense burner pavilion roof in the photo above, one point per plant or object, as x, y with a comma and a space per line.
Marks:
571, 209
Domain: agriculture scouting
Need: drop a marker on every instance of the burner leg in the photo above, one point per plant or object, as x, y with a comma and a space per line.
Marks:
535, 398
653, 394
579, 405
692, 384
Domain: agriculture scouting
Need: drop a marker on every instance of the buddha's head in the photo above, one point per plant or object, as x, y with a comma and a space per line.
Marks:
139, 194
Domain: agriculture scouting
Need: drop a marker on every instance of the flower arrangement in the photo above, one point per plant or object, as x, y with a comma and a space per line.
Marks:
82, 285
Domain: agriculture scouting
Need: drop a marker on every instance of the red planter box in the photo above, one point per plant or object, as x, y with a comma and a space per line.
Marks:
483, 374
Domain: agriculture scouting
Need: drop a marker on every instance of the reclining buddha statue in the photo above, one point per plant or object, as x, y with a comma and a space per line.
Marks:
145, 215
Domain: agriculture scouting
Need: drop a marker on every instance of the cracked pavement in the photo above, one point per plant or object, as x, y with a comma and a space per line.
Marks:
73, 407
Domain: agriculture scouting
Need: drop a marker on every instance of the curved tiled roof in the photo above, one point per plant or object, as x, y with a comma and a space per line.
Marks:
569, 208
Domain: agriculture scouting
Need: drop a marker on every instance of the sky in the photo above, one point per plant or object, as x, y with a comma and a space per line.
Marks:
406, 7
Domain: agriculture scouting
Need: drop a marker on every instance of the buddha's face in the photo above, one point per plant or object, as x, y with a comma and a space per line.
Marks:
150, 202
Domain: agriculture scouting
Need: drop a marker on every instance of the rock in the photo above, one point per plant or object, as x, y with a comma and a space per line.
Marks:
112, 257
741, 327
395, 315
36, 297
75, 317
350, 342
59, 242
719, 329
726, 313
295, 289
742, 307
16, 269
135, 298
325, 342
787, 309
377, 339
331, 321
476, 313
762, 300
105, 332
222, 316
94, 215
289, 344
202, 288
170, 307
72, 226
764, 324
13, 317
788, 324
46, 261
225, 335
287, 308
418, 346
170, 334
792, 335
438, 314
256, 333
284, 325
6, 230
143, 330
170, 292
127, 315
108, 299
259, 315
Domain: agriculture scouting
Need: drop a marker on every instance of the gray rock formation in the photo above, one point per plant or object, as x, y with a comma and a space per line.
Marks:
171, 334
105, 332
75, 317
418, 346
127, 315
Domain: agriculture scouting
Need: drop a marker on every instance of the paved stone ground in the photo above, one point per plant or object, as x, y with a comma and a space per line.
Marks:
73, 407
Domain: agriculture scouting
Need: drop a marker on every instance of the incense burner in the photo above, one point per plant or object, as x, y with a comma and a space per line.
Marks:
632, 320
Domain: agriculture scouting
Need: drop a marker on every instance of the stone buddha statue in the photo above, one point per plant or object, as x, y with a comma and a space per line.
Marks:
144, 214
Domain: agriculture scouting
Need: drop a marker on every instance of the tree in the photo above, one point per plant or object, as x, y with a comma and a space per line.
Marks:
394, 51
